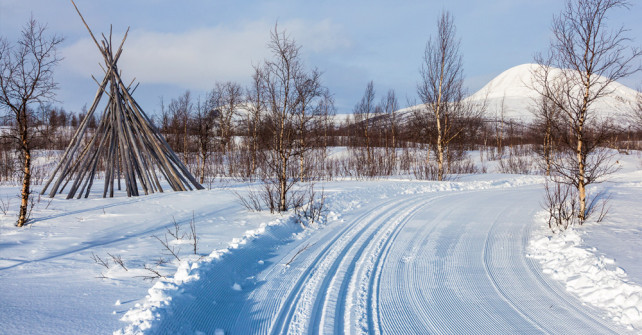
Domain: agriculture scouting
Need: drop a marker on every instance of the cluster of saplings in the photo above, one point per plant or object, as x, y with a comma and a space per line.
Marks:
282, 128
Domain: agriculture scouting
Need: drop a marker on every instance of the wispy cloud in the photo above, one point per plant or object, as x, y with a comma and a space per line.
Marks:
198, 58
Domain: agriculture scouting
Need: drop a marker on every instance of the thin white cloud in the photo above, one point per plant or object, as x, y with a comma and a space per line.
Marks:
321, 36
198, 58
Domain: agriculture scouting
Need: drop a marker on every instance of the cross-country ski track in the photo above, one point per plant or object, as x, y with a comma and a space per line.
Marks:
433, 263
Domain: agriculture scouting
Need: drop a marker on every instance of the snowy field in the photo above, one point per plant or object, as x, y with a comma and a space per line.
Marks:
394, 256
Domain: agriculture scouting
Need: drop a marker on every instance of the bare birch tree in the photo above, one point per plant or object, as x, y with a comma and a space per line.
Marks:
500, 124
390, 105
282, 76
636, 115
441, 89
255, 107
26, 79
364, 112
591, 57
205, 119
308, 89
547, 124
181, 110
227, 100
327, 113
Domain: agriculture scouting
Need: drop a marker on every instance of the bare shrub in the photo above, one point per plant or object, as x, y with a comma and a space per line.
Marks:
599, 205
252, 200
270, 195
167, 245
176, 233
561, 203
118, 260
516, 165
406, 159
464, 166
311, 207
153, 273
5, 204
100, 261
427, 172
193, 235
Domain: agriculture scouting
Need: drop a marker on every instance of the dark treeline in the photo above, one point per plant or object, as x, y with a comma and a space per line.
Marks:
52, 130
224, 135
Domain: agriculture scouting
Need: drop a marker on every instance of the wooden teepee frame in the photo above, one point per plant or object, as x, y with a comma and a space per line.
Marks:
125, 140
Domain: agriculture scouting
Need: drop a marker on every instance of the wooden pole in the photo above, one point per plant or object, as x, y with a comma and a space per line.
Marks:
126, 143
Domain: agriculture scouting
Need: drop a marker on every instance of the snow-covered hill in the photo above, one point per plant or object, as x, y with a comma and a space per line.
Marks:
514, 87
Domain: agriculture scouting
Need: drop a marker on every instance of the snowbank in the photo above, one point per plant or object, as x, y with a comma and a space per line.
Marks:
141, 317
592, 277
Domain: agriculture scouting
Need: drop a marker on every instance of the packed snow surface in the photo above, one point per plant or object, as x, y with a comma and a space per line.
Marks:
391, 256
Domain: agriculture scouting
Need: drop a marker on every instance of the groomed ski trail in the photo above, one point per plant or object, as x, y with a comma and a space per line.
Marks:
444, 262
462, 269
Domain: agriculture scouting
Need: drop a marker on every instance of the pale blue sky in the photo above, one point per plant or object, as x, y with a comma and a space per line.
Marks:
179, 45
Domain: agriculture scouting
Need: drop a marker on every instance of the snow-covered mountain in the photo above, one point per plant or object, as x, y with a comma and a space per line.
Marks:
514, 87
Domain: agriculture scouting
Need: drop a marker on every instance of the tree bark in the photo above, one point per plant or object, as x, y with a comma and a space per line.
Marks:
23, 215
203, 158
283, 186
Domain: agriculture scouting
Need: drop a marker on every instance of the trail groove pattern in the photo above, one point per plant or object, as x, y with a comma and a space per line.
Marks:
435, 263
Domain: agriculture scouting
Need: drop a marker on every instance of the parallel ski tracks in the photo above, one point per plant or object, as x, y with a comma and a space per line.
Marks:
330, 278
466, 272
373, 324
346, 237
370, 268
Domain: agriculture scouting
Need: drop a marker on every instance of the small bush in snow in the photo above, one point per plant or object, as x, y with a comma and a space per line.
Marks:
427, 172
562, 204
310, 208
463, 166
516, 165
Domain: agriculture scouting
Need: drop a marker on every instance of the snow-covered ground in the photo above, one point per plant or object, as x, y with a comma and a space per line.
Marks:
47, 269
599, 262
395, 256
